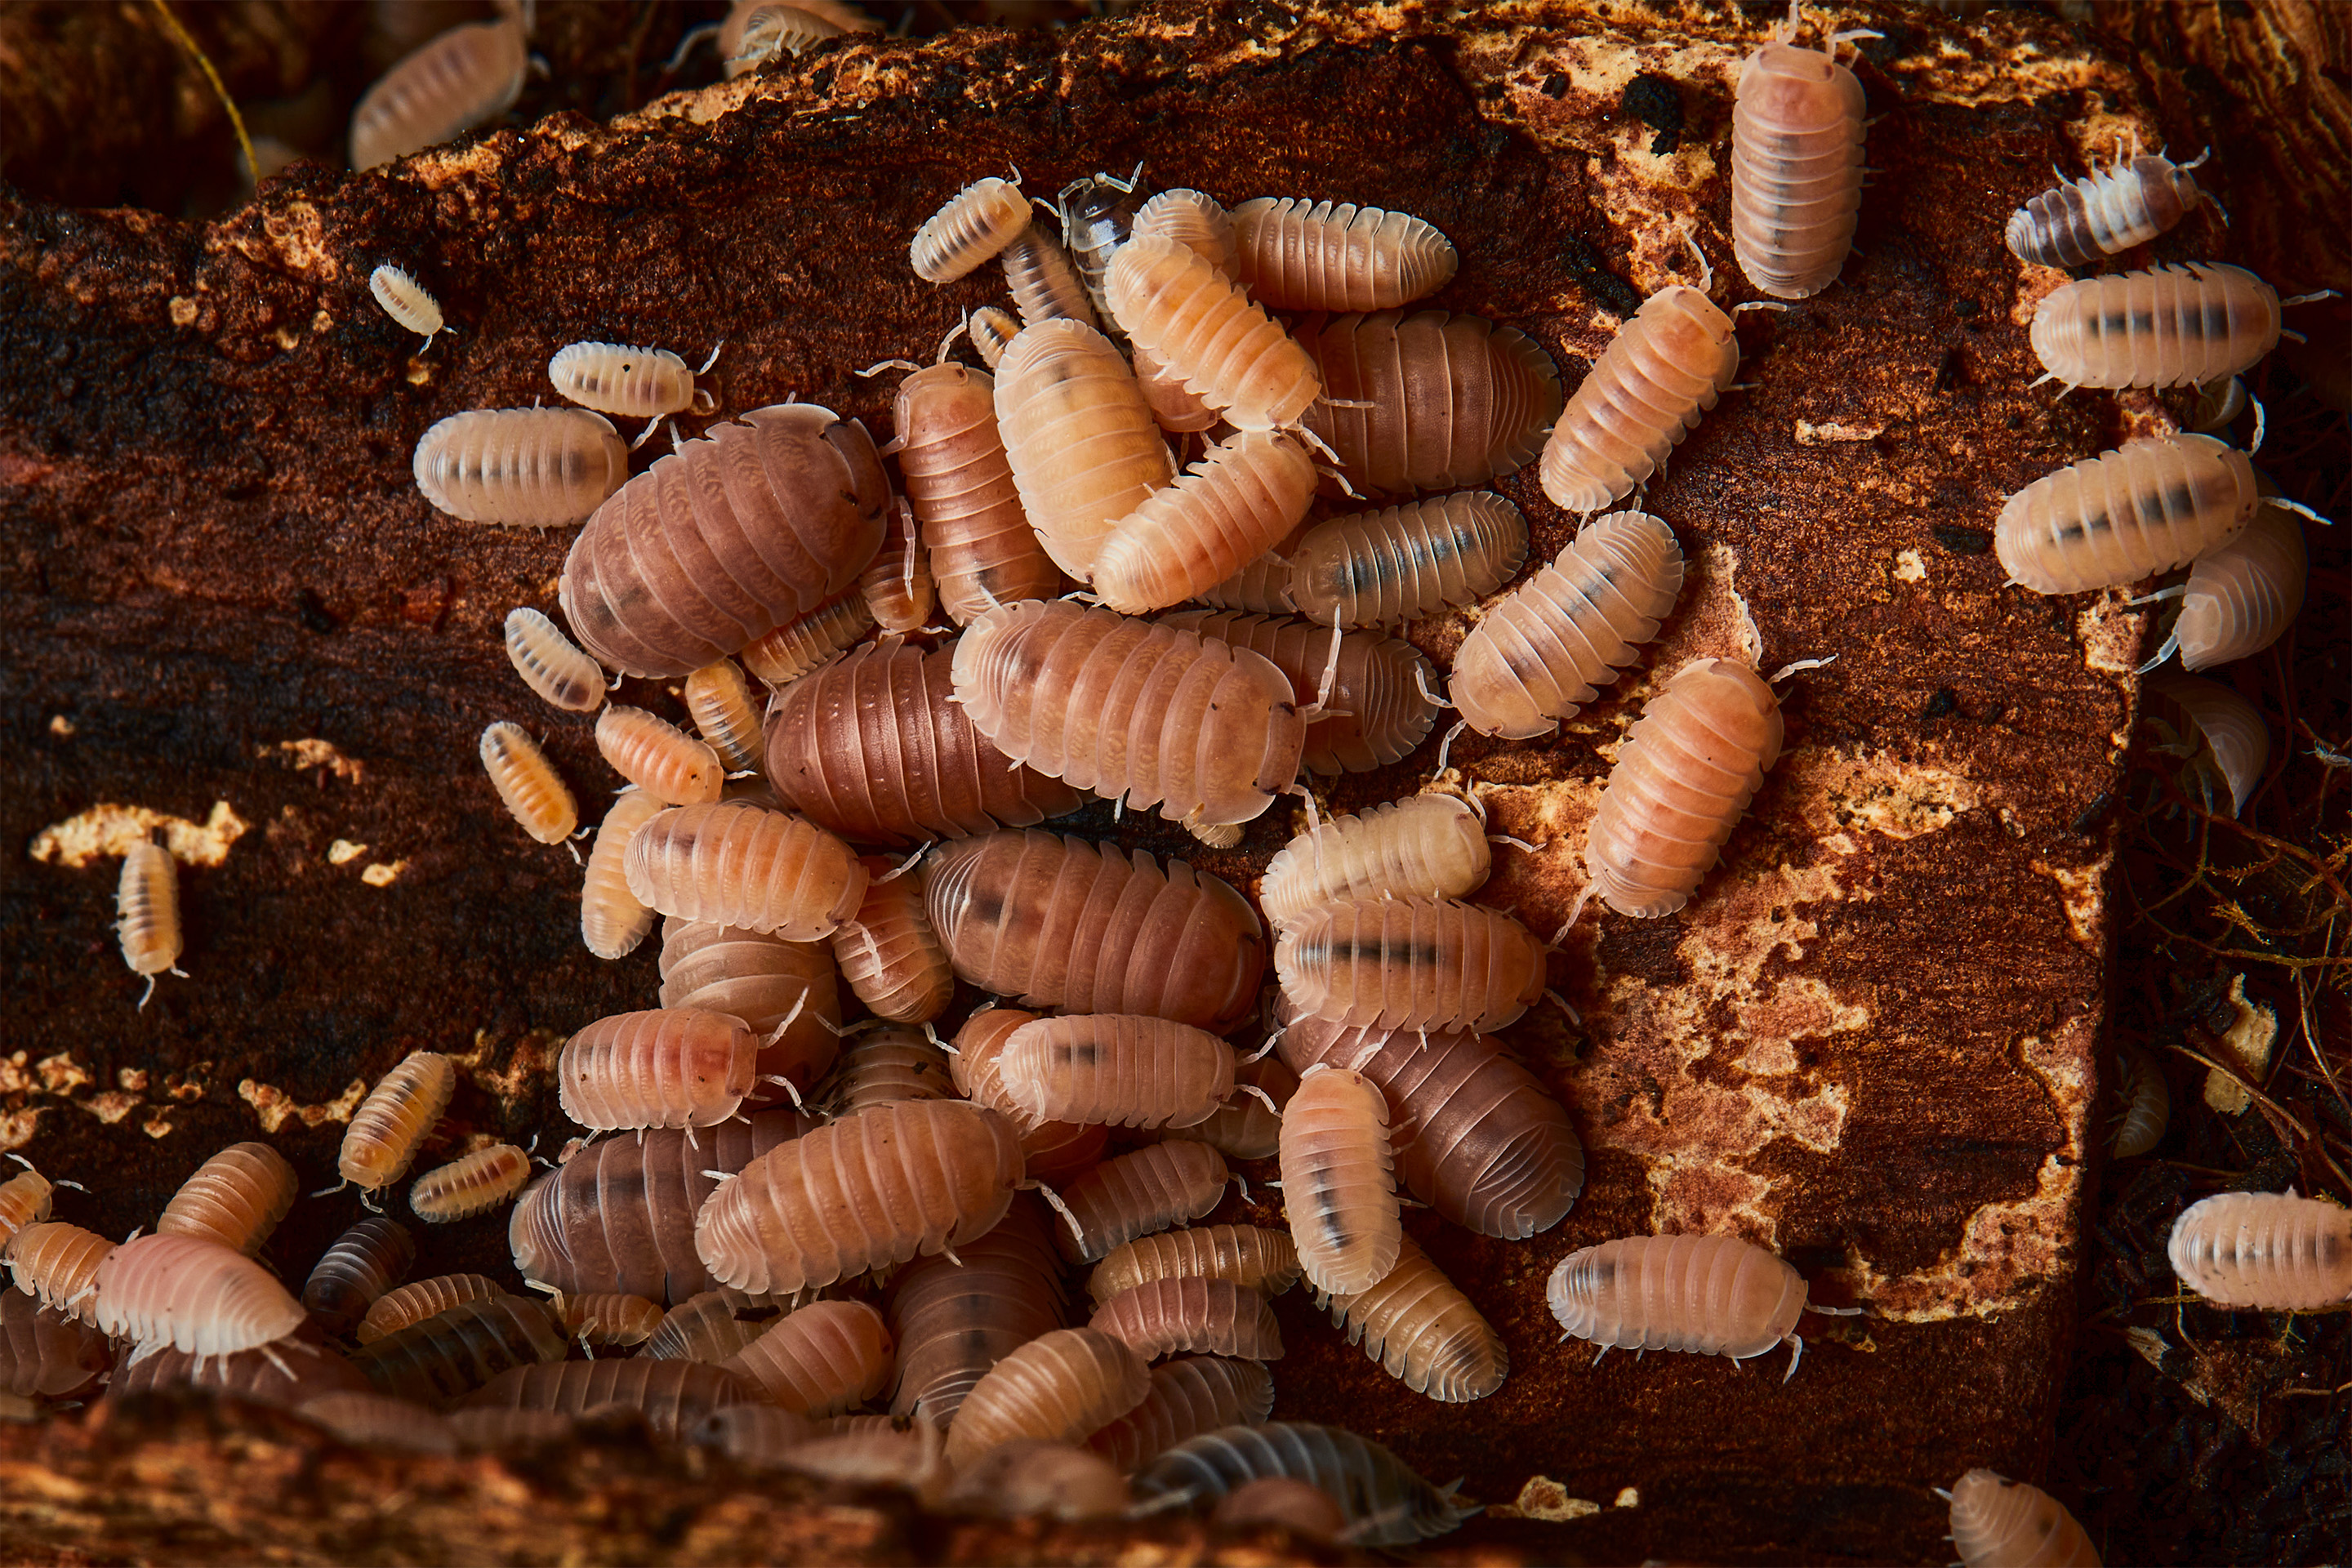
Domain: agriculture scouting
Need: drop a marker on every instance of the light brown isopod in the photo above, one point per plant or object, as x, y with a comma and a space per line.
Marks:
1385, 568
954, 1320
820, 1360
1119, 1069
1409, 963
666, 1067
889, 952
959, 485
1246, 1126
712, 1326
612, 921
606, 1318
658, 757
1050, 1151
1664, 369
1031, 1479
992, 331
1079, 437
2082, 221
1433, 844
381, 1421
672, 1395
2147, 506
2167, 326
147, 913
284, 1373
46, 1354
1201, 325
1257, 1259
236, 1198
2001, 1523
24, 1200
1189, 1396
1061, 1386
897, 583
57, 1265
1193, 219
1059, 923
828, 1205
1717, 1295
533, 791
1381, 699
551, 665
1335, 256
1424, 1330
2271, 1250
884, 1065
512, 1431
477, 1184
1455, 400
412, 1303
752, 523
1243, 498
1338, 1180
1546, 649
725, 714
769, 984
1135, 1194
977, 223
2240, 597
364, 1262
1796, 165
529, 468
2221, 733
756, 1435
1044, 285
1685, 775
191, 1293
396, 1117
2146, 1103
1163, 717
465, 76
407, 301
911, 1461
1213, 1317
740, 865
799, 646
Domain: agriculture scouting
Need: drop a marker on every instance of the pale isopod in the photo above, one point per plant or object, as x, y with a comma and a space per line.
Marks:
820, 1360
531, 467
605, 1318
2146, 1103
658, 757
147, 913
1380, 697
880, 1066
2082, 221
959, 484
465, 76
1336, 256
635, 383
394, 1119
673, 1395
1338, 1180
57, 1265
1189, 1396
1262, 1261
1045, 285
1243, 498
364, 1262
1191, 218
407, 301
1135, 1194
2241, 597
533, 791
889, 952
1213, 1317
953, 1321
612, 921
236, 1198
1998, 1522
454, 1352
771, 984
1122, 1070
977, 223
412, 1303
551, 665
1079, 437
1664, 368
1060, 1386
1717, 1295
753, 32
897, 583
1385, 568
1796, 166
2221, 733
1454, 400
727, 716
1409, 963
193, 1294
1385, 1503
1433, 844
667, 1068
1550, 645
2167, 326
1202, 325
2271, 1250
2147, 506
992, 331
1424, 1330
740, 865
799, 646
477, 1184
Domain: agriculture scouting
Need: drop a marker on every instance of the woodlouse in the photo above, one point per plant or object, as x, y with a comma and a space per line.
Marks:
465, 76
889, 952
1409, 963
1385, 568
236, 1198
635, 383
1424, 1330
1134, 1194
612, 921
1098, 215
784, 993
1796, 165
2271, 1250
1685, 775
394, 1119
1242, 498
712, 1326
1433, 844
2146, 1103
1213, 1317
953, 1322
658, 757
672, 1395
407, 301
1455, 400
960, 483
1192, 218
1189, 1396
147, 913
482, 1181
740, 865
512, 1431
1201, 325
761, 32
57, 1265
412, 1303
364, 1262
1248, 1125
726, 715
1050, 1150
1386, 1503
381, 1421
604, 1317
551, 665
820, 1360
1079, 437
46, 1354
2147, 506
1715, 1295
1996, 1520
2241, 597
2167, 326
2083, 221
1664, 369
193, 1294
882, 1066
2220, 733
24, 1200
1061, 1386
977, 223
897, 583
451, 1353
1045, 285
1122, 1070
665, 1068
1335, 256
992, 331
1257, 1259
1339, 1180
534, 792
284, 1373
799, 645
528, 467
912, 1461
1300, 1507
1379, 705
1029, 1478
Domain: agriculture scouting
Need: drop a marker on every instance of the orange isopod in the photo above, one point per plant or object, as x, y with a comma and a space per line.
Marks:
1385, 568
1335, 256
612, 921
1079, 437
1664, 369
1717, 1295
477, 1184
889, 952
1137, 1194
953, 1320
1199, 323
1381, 701
1454, 400
606, 1318
1121, 1070
1243, 498
1257, 1259
394, 1119
1685, 775
1338, 1180
2147, 506
192, 1294
2241, 597
1547, 647
741, 865
2082, 221
1050, 1151
727, 716
57, 1265
992, 331
551, 665
665, 1068
1045, 285
364, 1262
977, 223
658, 757
820, 1360
897, 583
463, 77
1061, 1386
236, 1198
673, 1395
959, 484
1210, 1317
712, 1326
147, 913
784, 993
1796, 165
2271, 1250
529, 467
533, 791
413, 1303
1424, 1330
2221, 733
2001, 1523
2167, 326
799, 646
1188, 1397
882, 1065
24, 1200
1409, 963
1433, 844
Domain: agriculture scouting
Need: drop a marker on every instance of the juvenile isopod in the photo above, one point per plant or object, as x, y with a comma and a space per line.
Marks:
785, 992
2220, 733
236, 1198
1045, 285
1385, 1503
1300, 1507
1243, 496
407, 301
1050, 1151
533, 791
1295, 254
396, 1117
2147, 507
2001, 1523
889, 952
2271, 1250
820, 1360
364, 1262
454, 1352
1098, 215
977, 223
612, 921
1338, 1180
1717, 1295
725, 714
1433, 844
665, 1068
1200, 323
897, 583
1385, 568
740, 865
1664, 369
1796, 165
1135, 1194
633, 382
881, 1066
1257, 1259
753, 32
799, 646
529, 467
1429, 401
712, 1326
1193, 219
992, 331
57, 1265
465, 76
604, 1317
1061, 1386
2083, 221
1189, 1396
551, 665
477, 1184
1409, 963
1424, 1330
1079, 437
24, 1200
657, 756
1685, 775
2146, 1103
1122, 1070
1211, 1317
2167, 326
1381, 704
194, 1294
959, 485
147, 913
953, 1319
1547, 647
672, 1395
412, 1303
2240, 597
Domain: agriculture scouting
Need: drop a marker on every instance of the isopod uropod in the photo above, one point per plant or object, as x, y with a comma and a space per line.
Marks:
1796, 165
2273, 1250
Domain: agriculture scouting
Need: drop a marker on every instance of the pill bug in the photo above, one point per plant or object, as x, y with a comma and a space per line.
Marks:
1715, 1295
1338, 1180
56, 1264
284, 1373
2080, 222
1335, 256
1409, 963
236, 1198
874, 748
799, 646
1098, 215
1796, 165
1119, 1069
882, 1066
2167, 326
2147, 506
992, 331
1385, 1503
953, 1322
977, 223
820, 1360
528, 467
727, 716
1455, 400
1061, 1386
407, 301
465, 76
451, 1353
380, 1421
1161, 717
1189, 1396
1261, 1260
1998, 1521
1050, 1151
633, 382
1200, 323
1031, 1479
396, 1116
1423, 1332
24, 1200
551, 665
147, 913
888, 953
2271, 1250
740, 865
1546, 649
825, 1204
477, 1184
1136, 1194
2146, 1103
534, 794
2240, 597
412, 1303
364, 1262
1685, 775
1044, 285
672, 1395
770, 984
1433, 844
612, 921
960, 486
1299, 1507
1206, 1316
1243, 496
197, 1295
657, 756
1248, 1126
754, 522
1664, 369
897, 583
663, 1068
1385, 568
1059, 923
1381, 702
2220, 733
605, 1318
46, 1354
1481, 1141
1079, 437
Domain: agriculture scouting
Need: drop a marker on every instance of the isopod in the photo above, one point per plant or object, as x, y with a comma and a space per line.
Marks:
1998, 1522
1295, 255
2240, 597
534, 794
2271, 1250
1079, 437
1213, 1317
1300, 1507
953, 1321
353, 1274
1061, 1386
727, 716
1189, 1396
1380, 703
882, 1066
454, 1352
739, 865
1664, 369
48, 1355
1424, 1330
1243, 498
2146, 1103
1338, 1180
2082, 221
992, 331
672, 1395
1385, 568
396, 1116
784, 992
889, 952
1050, 1150
897, 583
464, 77
511, 1431
1796, 166
1135, 1194
193, 1294
2221, 735
24, 1200
236, 1198
407, 301
1031, 1479
1433, 844
665, 1068
1122, 1070
1248, 1125
2167, 326
612, 921
604, 1317
977, 223
147, 913
912, 1461
57, 1265
820, 1360
1385, 1503
635, 383
1044, 284
477, 1184
551, 665
2147, 507
1409, 963
754, 32
286, 1374
1199, 323
1192, 218
1685, 775
412, 1303
1454, 400
1262, 1261
1098, 215
1550, 645
528, 467
1262, 587
799, 646
960, 483
658, 757
712, 1326
381, 1421
1715, 1295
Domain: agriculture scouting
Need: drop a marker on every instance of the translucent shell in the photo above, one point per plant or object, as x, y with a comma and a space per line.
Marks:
1337, 256
2244, 595
531, 467
236, 1198
394, 1120
741, 865
1664, 368
1237, 502
1201, 325
657, 756
1044, 284
2083, 220
534, 793
2147, 506
1385, 568
551, 665
1423, 1332
1455, 400
465, 76
612, 921
799, 646
1796, 169
2168, 326
407, 301
193, 1294
1080, 439
960, 483
1380, 709
1433, 844
1717, 1295
977, 223
1409, 963
2001, 1523
668, 1067
1061, 1386
2271, 1250
1339, 1180
2222, 734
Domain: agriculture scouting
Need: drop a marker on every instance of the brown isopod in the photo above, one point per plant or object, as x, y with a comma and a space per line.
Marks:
606, 1318
396, 1116
47, 1355
612, 921
875, 748
2146, 1103
897, 583
551, 665
2271, 1250
454, 1352
1453, 400
353, 1274
1433, 844
191, 1293
1213, 1317
784, 992
2240, 597
1664, 369
665, 1068
284, 1373
882, 1066
512, 1431
1385, 568
1300, 1507
1685, 775
2083, 221
658, 757
2001, 1523
465, 76
827, 1203
1159, 717
1079, 437
635, 383
57, 1265
528, 467
820, 1360
2221, 735
712, 1326
954, 1320
752, 523
959, 485
1031, 1479
1425, 1331
799, 646
381, 1421
1382, 700
1135, 1194
413, 1303
1050, 1150
1715, 1295
1385, 1501
1248, 1125
147, 914
1044, 284
1061, 1386
889, 952
1338, 1180
1119, 1069
911, 1461
672, 1395
1543, 651
482, 1181
727, 715
1257, 1259
1409, 963
2167, 326
1202, 325
236, 1198
1059, 923
1796, 165
992, 331
1189, 1396
2149, 506
740, 865
977, 223
534, 794
407, 301
1335, 256
1243, 496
